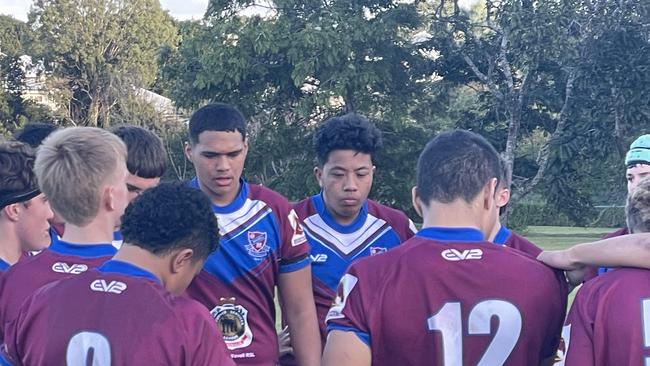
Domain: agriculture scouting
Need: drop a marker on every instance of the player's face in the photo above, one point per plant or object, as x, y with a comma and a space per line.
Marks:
346, 179
635, 174
218, 158
32, 224
136, 185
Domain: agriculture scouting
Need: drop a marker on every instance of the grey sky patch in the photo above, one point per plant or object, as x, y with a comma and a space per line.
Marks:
179, 9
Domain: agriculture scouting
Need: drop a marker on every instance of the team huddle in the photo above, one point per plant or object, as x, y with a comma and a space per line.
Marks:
101, 264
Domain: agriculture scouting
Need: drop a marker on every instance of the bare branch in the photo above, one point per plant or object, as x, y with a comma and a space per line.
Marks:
545, 151
493, 88
503, 61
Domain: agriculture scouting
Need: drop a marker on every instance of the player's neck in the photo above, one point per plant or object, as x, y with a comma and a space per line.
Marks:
494, 232
10, 250
140, 258
96, 232
225, 199
455, 214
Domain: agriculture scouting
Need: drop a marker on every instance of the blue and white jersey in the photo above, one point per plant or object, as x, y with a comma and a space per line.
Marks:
333, 247
260, 239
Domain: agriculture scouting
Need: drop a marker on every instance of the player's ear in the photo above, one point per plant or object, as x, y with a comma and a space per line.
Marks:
415, 199
188, 150
11, 211
181, 259
503, 197
318, 173
108, 197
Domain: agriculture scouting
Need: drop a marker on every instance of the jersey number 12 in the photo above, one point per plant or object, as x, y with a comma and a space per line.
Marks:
448, 321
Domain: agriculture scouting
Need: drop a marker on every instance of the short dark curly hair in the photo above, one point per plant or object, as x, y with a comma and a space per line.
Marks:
33, 134
171, 216
146, 156
16, 168
348, 132
216, 117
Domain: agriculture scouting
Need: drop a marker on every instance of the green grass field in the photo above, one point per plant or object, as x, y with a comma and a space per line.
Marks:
562, 237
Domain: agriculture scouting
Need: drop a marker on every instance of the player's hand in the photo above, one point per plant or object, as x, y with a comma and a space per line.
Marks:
284, 340
559, 259
576, 277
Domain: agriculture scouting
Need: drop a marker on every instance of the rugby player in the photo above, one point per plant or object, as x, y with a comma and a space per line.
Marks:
127, 311
439, 298
261, 245
82, 171
341, 223
609, 321
24, 209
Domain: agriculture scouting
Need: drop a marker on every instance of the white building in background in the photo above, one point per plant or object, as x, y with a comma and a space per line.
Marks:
35, 88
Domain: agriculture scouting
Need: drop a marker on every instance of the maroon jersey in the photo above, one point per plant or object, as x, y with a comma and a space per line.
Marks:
609, 321
260, 239
118, 314
333, 247
516, 241
447, 297
60, 260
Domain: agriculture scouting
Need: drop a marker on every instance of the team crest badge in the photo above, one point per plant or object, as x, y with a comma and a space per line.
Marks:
232, 320
377, 250
257, 247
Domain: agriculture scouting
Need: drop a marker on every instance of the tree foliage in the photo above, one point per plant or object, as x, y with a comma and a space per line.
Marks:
101, 49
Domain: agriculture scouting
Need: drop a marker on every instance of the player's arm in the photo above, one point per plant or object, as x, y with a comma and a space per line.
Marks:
300, 312
345, 348
622, 251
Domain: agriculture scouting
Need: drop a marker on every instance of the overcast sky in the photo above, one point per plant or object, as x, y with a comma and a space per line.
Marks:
179, 9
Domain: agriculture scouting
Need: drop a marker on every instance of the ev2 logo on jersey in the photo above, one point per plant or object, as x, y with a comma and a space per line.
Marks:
114, 287
318, 258
75, 268
455, 255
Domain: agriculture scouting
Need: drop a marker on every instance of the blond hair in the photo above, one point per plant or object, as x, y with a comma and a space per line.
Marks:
72, 165
638, 208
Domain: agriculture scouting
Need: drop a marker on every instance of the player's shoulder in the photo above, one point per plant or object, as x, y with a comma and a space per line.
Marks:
28, 266
521, 243
304, 208
620, 280
389, 214
272, 198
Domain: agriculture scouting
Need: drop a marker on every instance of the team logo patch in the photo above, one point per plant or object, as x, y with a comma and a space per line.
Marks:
298, 236
232, 320
257, 247
377, 250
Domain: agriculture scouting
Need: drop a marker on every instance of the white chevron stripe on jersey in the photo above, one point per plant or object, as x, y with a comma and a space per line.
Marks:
345, 243
234, 220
